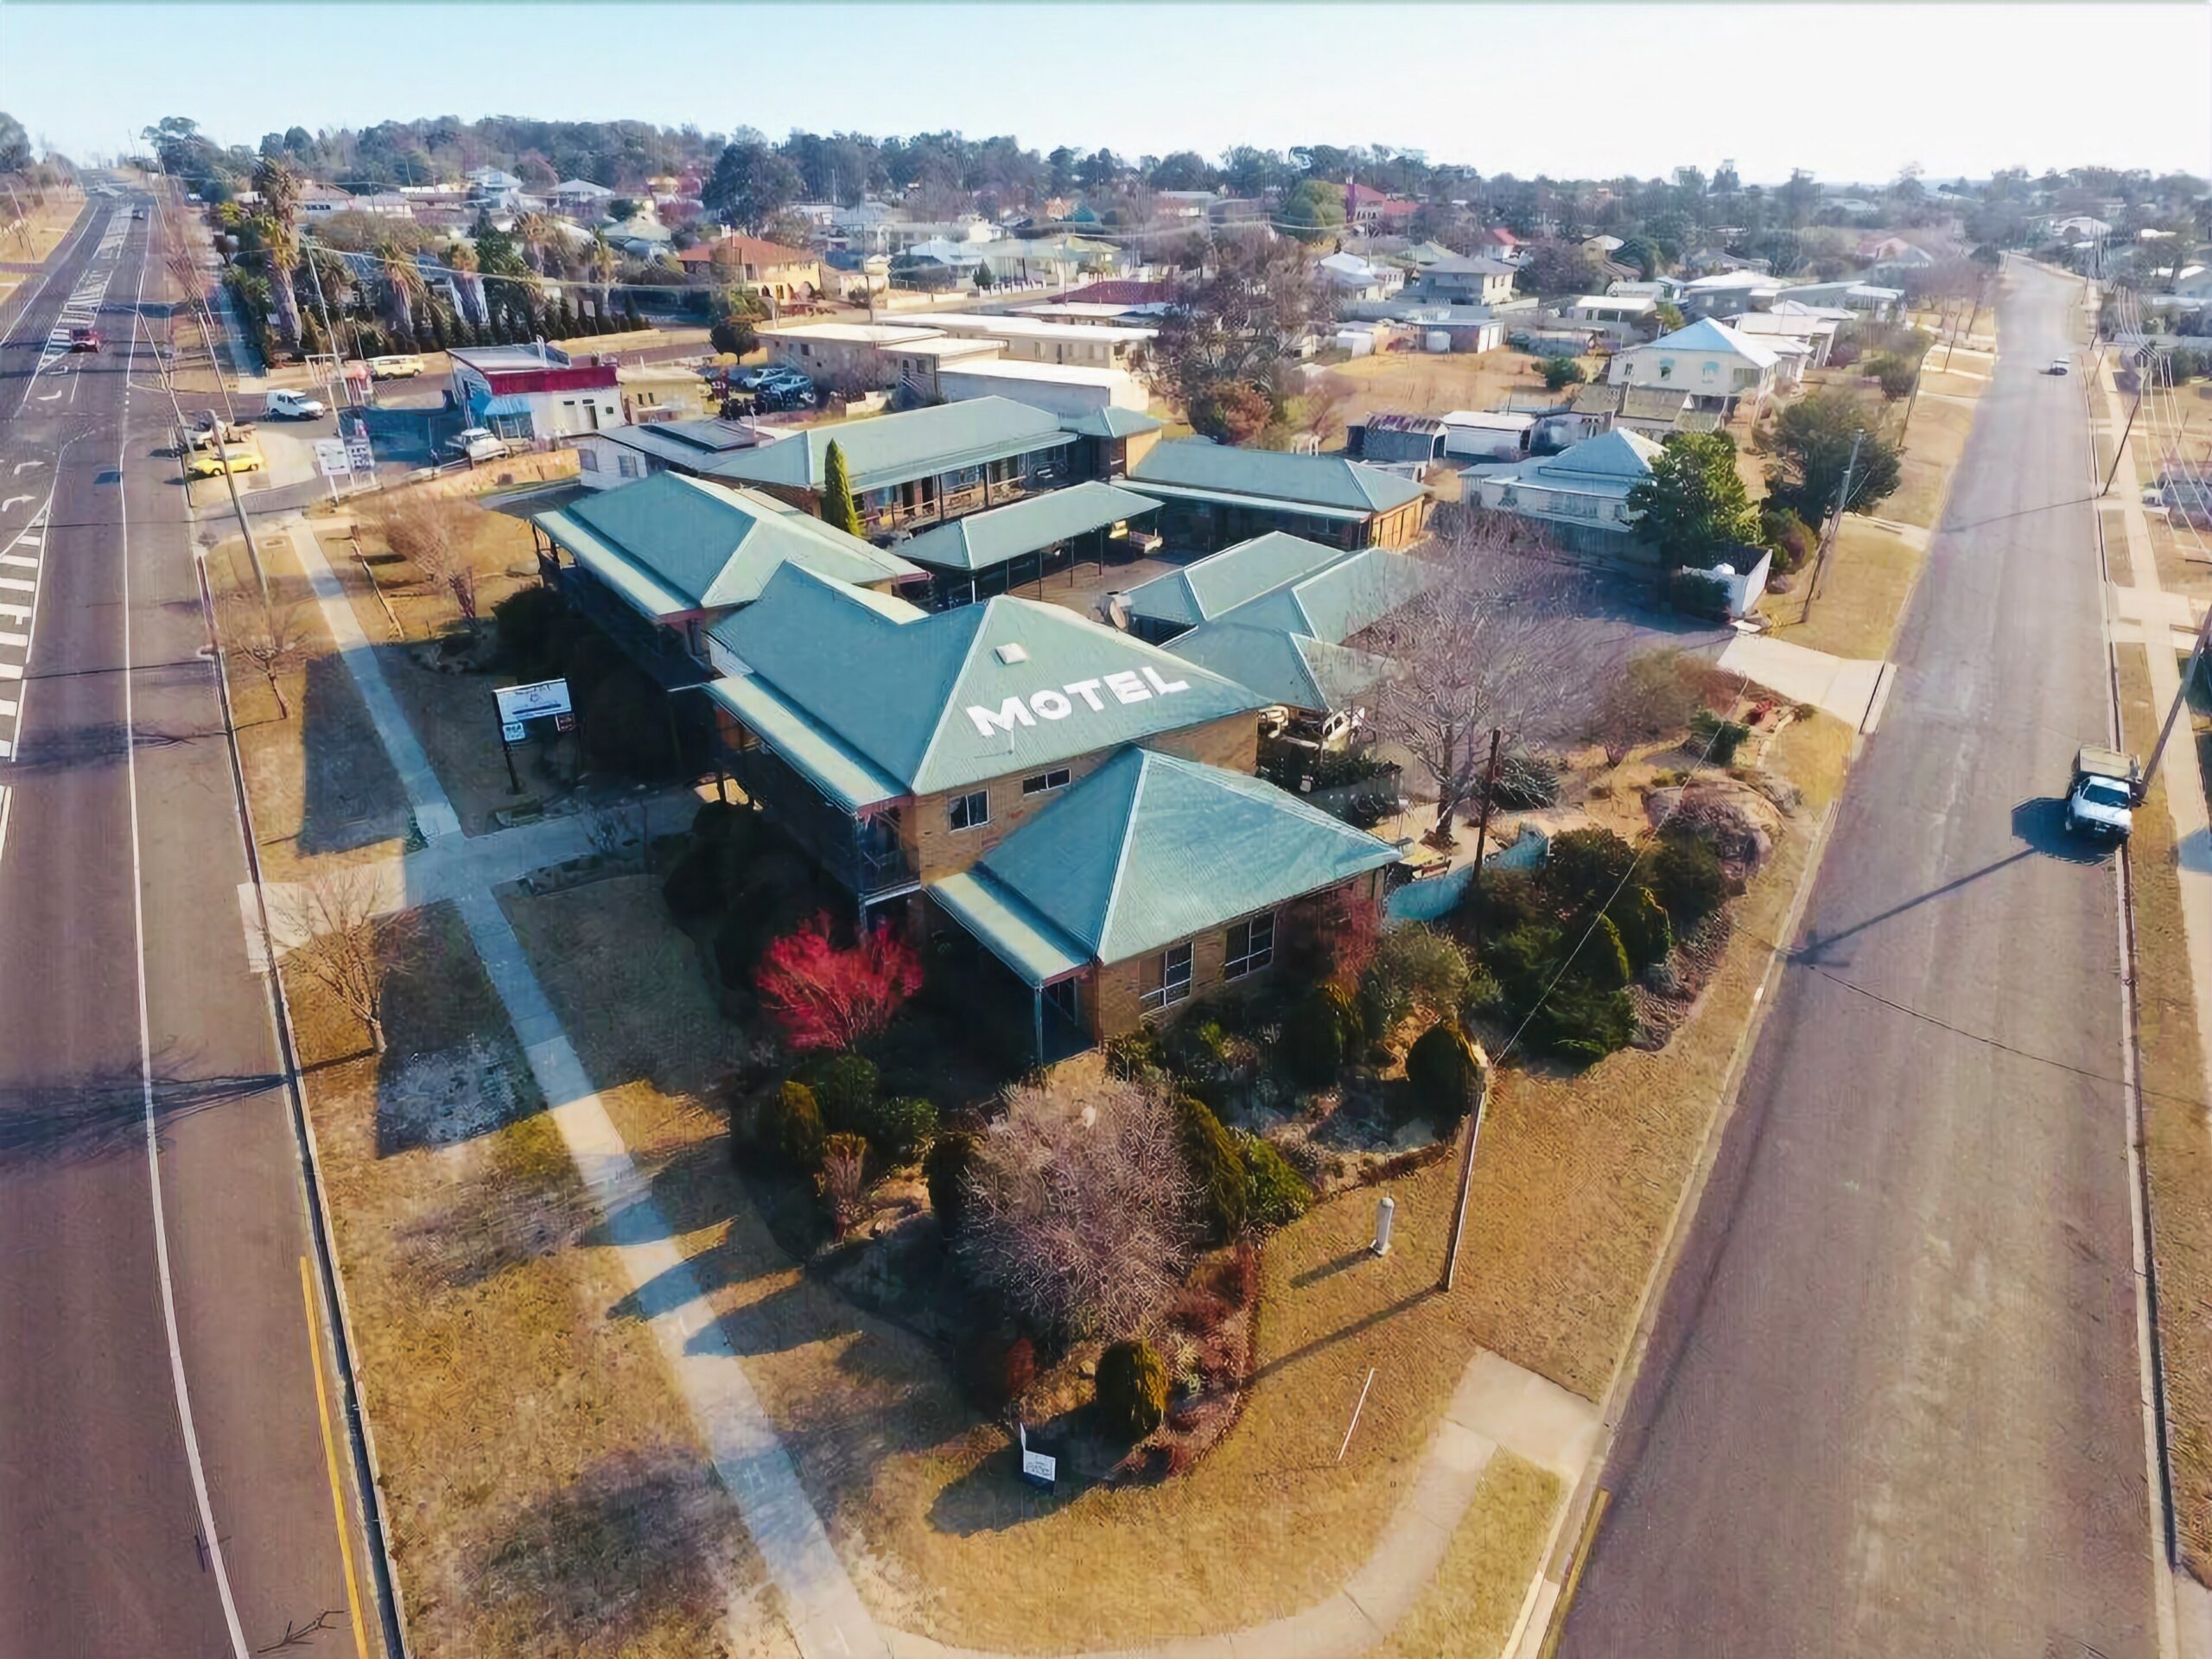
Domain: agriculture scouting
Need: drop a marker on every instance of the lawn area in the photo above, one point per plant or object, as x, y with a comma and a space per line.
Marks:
1577, 1185
1862, 600
2175, 1141
320, 783
1933, 442
42, 231
1468, 1610
1432, 382
2184, 566
543, 1487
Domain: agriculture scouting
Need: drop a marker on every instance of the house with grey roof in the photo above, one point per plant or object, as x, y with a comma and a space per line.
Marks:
926, 467
1003, 548
1580, 494
615, 455
1459, 279
1218, 495
1719, 368
659, 562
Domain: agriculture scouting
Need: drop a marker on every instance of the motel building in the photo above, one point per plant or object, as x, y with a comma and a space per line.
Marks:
1065, 814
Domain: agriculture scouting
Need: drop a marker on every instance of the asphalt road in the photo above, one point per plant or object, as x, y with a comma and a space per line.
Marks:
153, 1213
1891, 1402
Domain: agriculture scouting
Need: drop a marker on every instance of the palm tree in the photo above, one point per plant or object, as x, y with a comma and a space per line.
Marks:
600, 268
403, 287
538, 235
279, 189
468, 280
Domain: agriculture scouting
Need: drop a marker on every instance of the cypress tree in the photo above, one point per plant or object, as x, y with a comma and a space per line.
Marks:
837, 506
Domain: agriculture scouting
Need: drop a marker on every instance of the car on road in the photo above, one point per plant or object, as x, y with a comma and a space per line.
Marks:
2101, 799
202, 435
480, 443
84, 340
2061, 365
213, 463
137, 213
403, 366
782, 389
282, 405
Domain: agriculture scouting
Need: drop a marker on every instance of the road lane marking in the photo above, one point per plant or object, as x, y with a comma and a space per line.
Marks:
19, 467
330, 1456
14, 639
12, 499
17, 585
19, 561
16, 612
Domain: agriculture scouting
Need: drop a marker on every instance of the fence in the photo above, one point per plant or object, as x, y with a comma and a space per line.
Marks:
1439, 896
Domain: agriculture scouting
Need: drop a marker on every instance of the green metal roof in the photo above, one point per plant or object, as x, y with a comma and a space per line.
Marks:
1313, 481
1112, 422
940, 702
1258, 503
846, 779
1337, 600
892, 448
1222, 581
1294, 669
985, 539
669, 543
1002, 921
1151, 848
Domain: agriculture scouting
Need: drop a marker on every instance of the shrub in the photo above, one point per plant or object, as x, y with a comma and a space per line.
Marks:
1790, 537
1525, 781
717, 822
1600, 959
1685, 876
1560, 372
1313, 1041
844, 1177
798, 1126
1442, 1073
1215, 1170
626, 726
1132, 1389
1502, 901
527, 622
1583, 869
696, 888
844, 1087
1582, 1023
1134, 1054
1644, 931
1275, 1196
1415, 970
823, 994
1000, 1371
1722, 737
901, 1128
1343, 1007
945, 1171
1698, 593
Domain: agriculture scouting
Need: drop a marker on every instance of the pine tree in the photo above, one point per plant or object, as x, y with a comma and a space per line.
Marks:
837, 507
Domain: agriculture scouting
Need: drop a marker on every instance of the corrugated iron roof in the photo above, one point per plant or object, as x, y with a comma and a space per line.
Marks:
1274, 475
892, 448
985, 539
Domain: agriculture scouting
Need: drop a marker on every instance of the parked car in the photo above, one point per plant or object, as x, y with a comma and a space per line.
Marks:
2060, 366
282, 405
2100, 800
212, 463
82, 338
137, 213
402, 367
202, 436
480, 443
784, 389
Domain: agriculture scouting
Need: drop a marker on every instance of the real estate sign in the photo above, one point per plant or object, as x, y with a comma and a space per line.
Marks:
533, 702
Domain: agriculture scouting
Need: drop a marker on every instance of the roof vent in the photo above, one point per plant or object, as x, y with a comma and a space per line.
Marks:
1014, 653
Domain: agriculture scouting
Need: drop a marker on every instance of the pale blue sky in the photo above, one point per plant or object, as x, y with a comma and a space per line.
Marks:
1852, 92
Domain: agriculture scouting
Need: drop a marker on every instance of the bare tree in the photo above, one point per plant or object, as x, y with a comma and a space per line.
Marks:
335, 939
1652, 697
268, 635
1080, 1206
1498, 643
432, 532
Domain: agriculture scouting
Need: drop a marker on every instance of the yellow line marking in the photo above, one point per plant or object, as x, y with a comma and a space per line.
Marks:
330, 1454
1566, 1602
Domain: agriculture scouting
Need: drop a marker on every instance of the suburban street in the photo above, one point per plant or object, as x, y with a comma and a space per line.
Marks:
153, 1219
1891, 1404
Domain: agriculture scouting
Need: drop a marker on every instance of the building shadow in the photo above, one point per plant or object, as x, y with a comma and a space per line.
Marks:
351, 797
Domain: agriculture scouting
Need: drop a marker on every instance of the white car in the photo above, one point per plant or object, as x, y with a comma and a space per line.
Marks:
480, 443
2060, 364
292, 406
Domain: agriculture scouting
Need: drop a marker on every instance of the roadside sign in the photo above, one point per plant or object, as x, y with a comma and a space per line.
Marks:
330, 455
534, 701
564, 722
511, 731
1038, 1468
359, 455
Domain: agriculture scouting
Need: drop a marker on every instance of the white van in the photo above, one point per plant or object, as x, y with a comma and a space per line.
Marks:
292, 406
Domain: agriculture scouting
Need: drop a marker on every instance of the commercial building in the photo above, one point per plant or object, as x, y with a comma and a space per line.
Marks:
1006, 548
533, 392
1218, 495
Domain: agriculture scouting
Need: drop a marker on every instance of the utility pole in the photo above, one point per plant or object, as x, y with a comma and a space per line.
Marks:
1835, 524
253, 551
2181, 696
1475, 1113
2120, 449
1482, 841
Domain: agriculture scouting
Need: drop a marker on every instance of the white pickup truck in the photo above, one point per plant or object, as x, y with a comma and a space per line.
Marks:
2107, 787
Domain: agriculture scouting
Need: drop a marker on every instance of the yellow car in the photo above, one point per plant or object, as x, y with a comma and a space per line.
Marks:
206, 463
395, 368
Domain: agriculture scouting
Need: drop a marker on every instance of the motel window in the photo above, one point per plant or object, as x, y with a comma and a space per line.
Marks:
1042, 782
1166, 979
627, 465
970, 811
589, 459
1251, 946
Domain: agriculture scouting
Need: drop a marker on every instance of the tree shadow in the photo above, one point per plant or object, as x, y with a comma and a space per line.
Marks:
992, 1496
101, 1113
350, 795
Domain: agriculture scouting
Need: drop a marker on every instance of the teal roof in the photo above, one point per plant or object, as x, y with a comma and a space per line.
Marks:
892, 448
1322, 481
1112, 421
843, 776
985, 539
1324, 591
1151, 848
1295, 670
1018, 935
929, 702
670, 542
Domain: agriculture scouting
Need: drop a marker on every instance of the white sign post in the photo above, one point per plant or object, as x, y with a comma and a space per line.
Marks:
519, 704
331, 459
1037, 1468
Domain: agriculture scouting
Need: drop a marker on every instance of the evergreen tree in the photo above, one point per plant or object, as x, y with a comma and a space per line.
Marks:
837, 506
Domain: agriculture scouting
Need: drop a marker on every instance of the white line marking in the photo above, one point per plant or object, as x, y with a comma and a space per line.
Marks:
6, 708
19, 561
14, 639
21, 464
16, 612
12, 670
16, 584
210, 1535
12, 499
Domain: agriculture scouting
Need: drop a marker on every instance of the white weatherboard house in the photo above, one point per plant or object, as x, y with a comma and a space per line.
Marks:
1582, 493
1719, 368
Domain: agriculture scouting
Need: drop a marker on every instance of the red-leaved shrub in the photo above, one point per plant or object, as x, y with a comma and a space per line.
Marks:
820, 994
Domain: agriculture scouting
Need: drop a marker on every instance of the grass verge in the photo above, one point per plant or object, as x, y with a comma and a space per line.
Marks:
1862, 602
1468, 1610
544, 1492
1578, 1180
2177, 1144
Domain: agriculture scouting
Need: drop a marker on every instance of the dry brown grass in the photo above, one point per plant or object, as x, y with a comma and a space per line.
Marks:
2176, 1137
1468, 1610
43, 230
1933, 442
1432, 383
1862, 600
543, 1487
1577, 1180
2179, 551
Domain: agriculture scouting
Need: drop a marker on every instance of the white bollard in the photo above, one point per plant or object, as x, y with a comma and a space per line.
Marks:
1385, 1212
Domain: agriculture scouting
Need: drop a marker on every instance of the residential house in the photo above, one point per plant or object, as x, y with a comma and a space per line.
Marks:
1003, 548
1502, 245
1652, 288
923, 467
664, 392
1601, 247
493, 189
657, 563
1130, 297
1720, 369
1462, 281
2192, 282
1623, 317
1218, 495
616, 454
753, 263
1579, 494
865, 227
535, 392
1728, 293
1067, 812
842, 355
1376, 209
1896, 253
1864, 299
581, 199
320, 201
1352, 276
